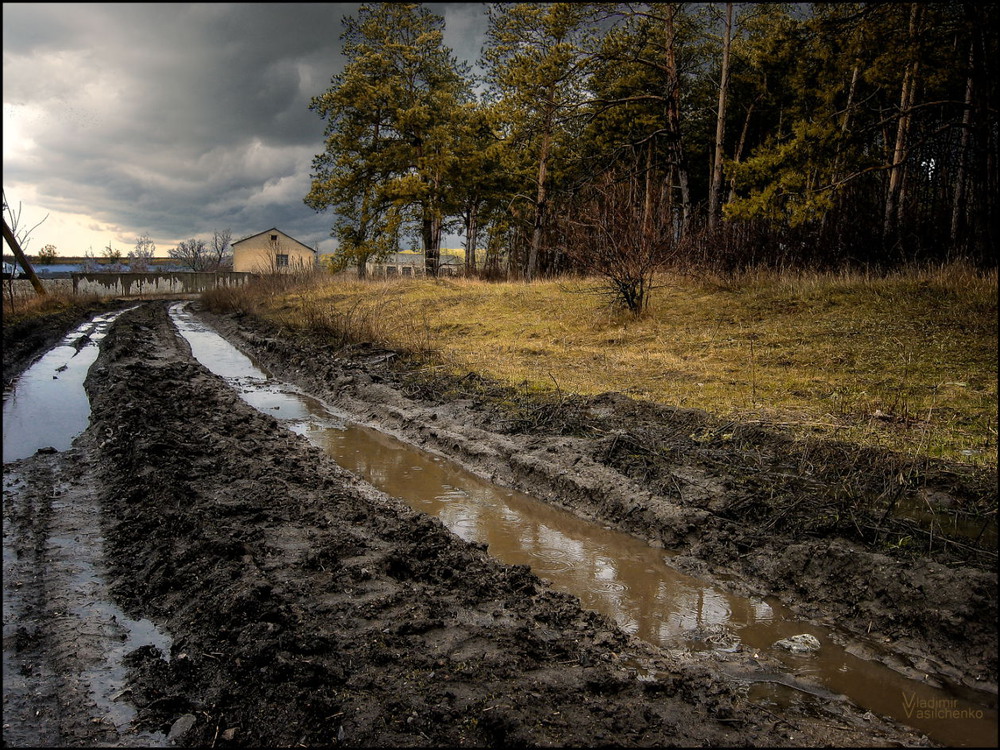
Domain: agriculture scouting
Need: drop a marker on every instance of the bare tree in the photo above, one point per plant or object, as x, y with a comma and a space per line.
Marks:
114, 257
193, 253
139, 259
21, 232
221, 255
613, 237
90, 262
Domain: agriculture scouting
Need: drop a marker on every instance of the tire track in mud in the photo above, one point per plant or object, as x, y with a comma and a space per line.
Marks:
307, 607
63, 638
928, 617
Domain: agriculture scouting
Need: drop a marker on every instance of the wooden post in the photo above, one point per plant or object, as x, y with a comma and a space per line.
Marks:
22, 259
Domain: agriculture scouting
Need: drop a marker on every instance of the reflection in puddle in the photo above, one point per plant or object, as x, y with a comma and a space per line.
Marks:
78, 559
611, 572
47, 405
78, 607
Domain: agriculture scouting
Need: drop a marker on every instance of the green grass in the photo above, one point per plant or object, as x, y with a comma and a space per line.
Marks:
906, 361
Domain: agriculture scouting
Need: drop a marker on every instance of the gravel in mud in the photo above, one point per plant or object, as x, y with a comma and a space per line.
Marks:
308, 608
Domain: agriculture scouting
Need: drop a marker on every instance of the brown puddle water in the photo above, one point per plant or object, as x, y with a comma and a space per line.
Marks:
611, 572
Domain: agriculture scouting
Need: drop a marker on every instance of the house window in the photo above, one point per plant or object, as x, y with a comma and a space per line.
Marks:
274, 238
282, 260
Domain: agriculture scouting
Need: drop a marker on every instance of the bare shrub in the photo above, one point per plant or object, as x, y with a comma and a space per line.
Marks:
258, 291
617, 232
140, 259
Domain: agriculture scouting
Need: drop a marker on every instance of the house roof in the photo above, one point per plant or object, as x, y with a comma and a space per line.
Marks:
271, 231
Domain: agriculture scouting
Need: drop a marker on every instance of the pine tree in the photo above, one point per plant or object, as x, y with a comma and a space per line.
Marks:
390, 135
537, 57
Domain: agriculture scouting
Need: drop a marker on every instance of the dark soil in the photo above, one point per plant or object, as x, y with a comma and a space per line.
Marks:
307, 608
810, 522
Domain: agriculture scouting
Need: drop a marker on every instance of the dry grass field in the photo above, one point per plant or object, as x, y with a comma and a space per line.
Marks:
906, 361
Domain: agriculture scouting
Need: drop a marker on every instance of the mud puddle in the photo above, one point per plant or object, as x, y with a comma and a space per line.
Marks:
934, 513
610, 572
46, 407
55, 591
86, 635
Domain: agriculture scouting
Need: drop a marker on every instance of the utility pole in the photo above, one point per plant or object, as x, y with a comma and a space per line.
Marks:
22, 259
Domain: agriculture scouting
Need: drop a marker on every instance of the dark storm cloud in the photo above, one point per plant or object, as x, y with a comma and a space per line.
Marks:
172, 119
465, 28
180, 119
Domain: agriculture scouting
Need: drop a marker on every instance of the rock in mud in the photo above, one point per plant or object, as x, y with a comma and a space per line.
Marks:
799, 644
180, 727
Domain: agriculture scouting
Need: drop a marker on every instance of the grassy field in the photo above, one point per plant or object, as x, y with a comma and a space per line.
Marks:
906, 361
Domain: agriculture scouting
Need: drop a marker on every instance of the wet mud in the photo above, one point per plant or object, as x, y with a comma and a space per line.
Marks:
27, 340
625, 578
303, 606
814, 524
764, 514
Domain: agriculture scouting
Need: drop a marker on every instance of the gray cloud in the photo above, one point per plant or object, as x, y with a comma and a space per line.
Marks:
179, 119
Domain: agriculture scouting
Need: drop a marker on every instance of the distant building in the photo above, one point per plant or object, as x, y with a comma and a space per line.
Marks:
272, 251
13, 271
413, 263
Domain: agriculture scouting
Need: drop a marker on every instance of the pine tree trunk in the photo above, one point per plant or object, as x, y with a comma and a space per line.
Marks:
674, 122
432, 243
715, 192
741, 143
471, 237
963, 149
906, 98
540, 198
647, 203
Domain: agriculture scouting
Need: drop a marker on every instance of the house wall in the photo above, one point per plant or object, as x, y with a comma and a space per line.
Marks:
410, 269
257, 254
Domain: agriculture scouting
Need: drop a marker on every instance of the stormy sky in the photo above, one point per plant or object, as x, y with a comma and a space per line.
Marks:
173, 120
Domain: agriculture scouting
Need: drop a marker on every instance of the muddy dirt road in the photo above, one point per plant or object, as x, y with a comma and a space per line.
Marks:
192, 572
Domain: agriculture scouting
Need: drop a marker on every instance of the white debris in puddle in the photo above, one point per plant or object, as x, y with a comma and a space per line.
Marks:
799, 644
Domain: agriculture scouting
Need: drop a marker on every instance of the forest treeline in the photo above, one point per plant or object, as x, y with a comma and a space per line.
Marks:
602, 136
